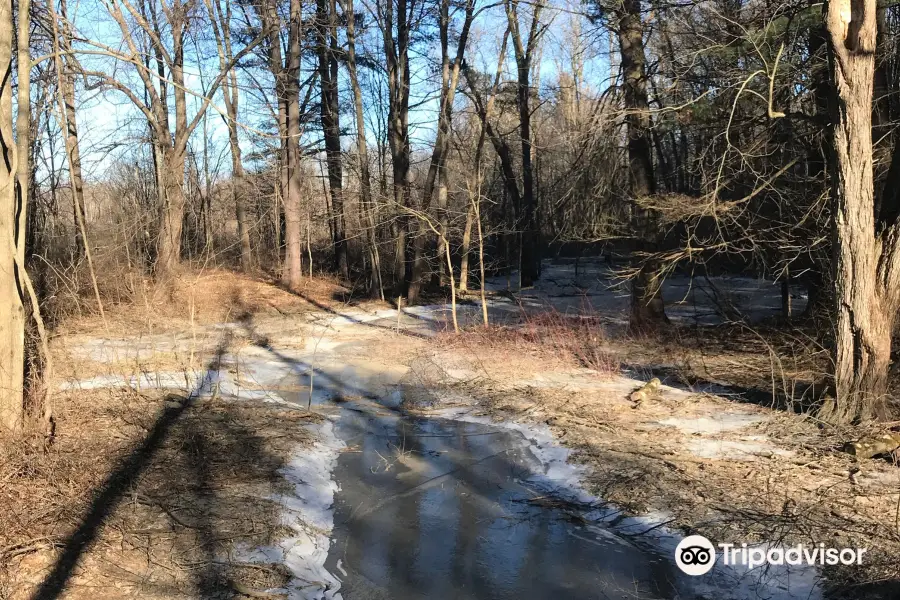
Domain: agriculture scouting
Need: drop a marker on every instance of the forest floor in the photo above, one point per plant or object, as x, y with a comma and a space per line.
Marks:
162, 479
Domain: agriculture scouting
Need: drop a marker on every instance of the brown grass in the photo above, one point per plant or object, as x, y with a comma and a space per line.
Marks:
136, 303
578, 341
205, 489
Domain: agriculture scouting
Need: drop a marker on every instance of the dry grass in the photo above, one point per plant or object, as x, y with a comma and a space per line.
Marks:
204, 489
578, 341
201, 296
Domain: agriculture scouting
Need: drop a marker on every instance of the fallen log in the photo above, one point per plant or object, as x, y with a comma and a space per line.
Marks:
873, 446
646, 391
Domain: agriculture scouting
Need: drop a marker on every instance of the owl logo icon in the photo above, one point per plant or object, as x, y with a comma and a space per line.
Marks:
695, 555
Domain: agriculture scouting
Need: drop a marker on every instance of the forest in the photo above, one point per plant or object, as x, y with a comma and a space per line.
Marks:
162, 158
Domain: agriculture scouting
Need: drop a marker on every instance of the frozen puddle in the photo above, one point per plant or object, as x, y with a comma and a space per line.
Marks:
446, 508
308, 514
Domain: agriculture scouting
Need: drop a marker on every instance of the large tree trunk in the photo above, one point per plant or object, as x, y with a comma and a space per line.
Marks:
174, 157
168, 255
866, 269
12, 312
647, 309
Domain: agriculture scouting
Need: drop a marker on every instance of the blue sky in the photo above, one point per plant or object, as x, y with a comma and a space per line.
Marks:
111, 127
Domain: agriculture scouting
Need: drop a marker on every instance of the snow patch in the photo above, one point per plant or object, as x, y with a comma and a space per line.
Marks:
719, 423
309, 513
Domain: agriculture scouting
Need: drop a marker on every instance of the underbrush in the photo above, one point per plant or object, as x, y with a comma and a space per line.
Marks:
195, 295
578, 340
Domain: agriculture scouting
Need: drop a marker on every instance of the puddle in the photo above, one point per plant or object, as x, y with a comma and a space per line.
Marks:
445, 508
458, 507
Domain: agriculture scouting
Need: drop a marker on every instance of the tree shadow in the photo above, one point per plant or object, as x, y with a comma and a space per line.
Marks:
203, 478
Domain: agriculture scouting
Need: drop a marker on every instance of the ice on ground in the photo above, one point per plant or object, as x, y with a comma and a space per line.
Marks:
713, 424
308, 513
746, 449
779, 582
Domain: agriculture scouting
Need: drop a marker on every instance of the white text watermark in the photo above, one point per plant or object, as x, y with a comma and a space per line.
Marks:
696, 555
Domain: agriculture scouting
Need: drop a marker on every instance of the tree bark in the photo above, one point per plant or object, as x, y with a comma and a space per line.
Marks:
647, 309
12, 312
292, 273
866, 263
67, 83
367, 207
529, 242
168, 255
326, 27
397, 59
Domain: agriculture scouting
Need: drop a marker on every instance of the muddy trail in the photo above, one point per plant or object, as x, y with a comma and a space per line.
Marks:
439, 508
403, 498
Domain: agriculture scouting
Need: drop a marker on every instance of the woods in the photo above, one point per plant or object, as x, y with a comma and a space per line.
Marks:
415, 148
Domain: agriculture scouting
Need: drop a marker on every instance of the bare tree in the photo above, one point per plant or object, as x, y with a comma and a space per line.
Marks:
171, 145
221, 24
437, 175
326, 28
524, 49
12, 311
396, 54
376, 288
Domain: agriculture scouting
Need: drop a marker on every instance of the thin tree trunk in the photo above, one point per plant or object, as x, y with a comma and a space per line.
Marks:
376, 289
12, 312
466, 248
326, 27
397, 59
67, 85
524, 53
436, 176
230, 94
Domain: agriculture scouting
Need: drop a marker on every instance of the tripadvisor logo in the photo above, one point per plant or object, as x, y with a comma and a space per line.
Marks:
696, 555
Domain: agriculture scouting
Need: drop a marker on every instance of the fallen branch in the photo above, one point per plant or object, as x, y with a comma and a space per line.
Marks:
645, 392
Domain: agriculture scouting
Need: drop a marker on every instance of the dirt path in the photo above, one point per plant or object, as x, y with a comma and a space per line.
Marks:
209, 475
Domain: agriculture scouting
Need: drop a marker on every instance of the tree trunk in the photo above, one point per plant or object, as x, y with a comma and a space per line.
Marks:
466, 248
221, 21
12, 312
866, 269
366, 206
168, 255
530, 259
398, 75
292, 273
647, 309
326, 27
67, 83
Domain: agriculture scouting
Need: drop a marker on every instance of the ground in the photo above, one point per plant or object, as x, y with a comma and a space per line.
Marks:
153, 490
